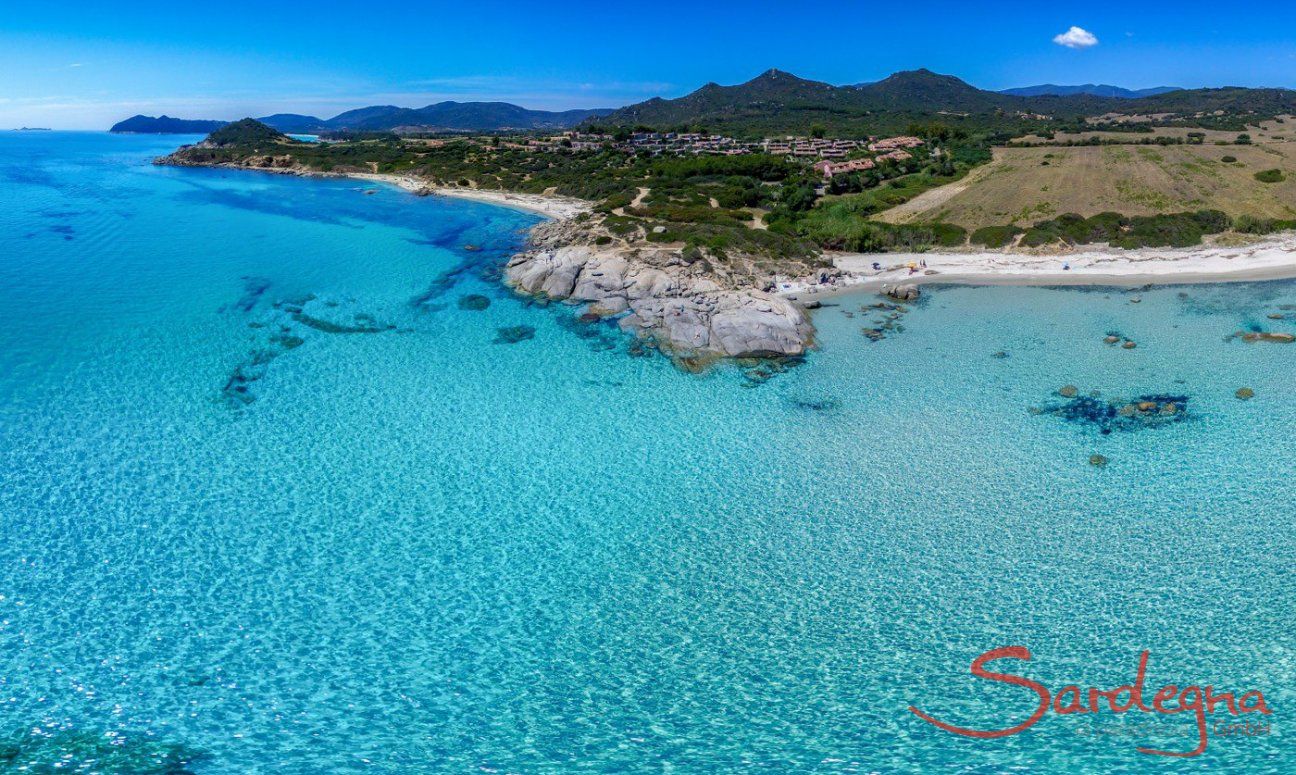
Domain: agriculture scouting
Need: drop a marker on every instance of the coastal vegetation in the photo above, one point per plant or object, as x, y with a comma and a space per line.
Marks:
1041, 179
247, 135
759, 203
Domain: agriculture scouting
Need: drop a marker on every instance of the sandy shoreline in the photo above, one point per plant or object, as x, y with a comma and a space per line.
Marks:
1272, 259
551, 206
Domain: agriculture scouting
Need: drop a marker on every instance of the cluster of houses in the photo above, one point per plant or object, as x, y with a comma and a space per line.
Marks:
695, 144
895, 143
831, 169
810, 147
833, 156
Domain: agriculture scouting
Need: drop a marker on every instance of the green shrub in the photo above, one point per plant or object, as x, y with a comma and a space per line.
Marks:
1270, 176
948, 235
858, 235
1172, 230
1076, 229
1248, 224
619, 199
995, 236
1229, 159
1212, 221
1166, 230
1040, 235
1103, 227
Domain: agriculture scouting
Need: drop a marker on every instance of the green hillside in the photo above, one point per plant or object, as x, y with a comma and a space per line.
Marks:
777, 102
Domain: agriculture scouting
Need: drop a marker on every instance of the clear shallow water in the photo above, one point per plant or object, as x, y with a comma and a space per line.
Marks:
419, 550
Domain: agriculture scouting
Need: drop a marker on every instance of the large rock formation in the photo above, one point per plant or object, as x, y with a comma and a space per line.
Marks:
662, 296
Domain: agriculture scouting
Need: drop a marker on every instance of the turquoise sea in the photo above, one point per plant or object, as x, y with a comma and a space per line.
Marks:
275, 499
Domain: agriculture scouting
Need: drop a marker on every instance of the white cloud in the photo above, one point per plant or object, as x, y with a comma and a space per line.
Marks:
1076, 37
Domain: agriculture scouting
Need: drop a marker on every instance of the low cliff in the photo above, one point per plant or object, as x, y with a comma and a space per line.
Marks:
660, 295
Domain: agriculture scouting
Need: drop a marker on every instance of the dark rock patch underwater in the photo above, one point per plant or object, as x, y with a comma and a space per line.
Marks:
287, 326
36, 750
1153, 410
513, 334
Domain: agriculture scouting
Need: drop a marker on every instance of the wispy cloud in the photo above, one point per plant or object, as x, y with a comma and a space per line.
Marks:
76, 64
1076, 38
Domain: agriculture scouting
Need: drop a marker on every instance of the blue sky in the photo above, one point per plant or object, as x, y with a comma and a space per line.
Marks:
82, 64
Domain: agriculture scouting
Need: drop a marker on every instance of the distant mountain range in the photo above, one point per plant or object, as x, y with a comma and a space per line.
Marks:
441, 117
1094, 89
778, 102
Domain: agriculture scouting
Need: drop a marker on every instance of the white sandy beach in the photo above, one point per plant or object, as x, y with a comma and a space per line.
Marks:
1270, 259
552, 206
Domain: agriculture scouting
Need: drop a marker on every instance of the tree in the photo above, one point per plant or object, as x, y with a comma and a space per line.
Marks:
798, 198
817, 130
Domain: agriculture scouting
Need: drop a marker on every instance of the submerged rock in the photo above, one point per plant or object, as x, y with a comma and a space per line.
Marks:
360, 326
253, 289
287, 341
819, 405
474, 302
514, 334
1147, 411
1266, 336
1098, 461
1068, 391
1245, 394
35, 750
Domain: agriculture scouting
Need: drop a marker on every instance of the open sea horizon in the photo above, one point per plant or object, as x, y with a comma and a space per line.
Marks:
291, 483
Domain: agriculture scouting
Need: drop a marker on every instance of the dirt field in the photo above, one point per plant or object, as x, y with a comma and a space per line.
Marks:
1271, 131
1025, 185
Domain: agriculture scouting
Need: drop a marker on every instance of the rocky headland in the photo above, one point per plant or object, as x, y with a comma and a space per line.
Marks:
686, 301
675, 297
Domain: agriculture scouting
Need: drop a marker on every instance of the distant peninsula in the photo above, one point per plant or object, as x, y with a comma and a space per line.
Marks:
439, 117
165, 125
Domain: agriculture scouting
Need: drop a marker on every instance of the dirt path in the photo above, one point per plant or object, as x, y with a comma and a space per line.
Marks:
930, 200
638, 200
